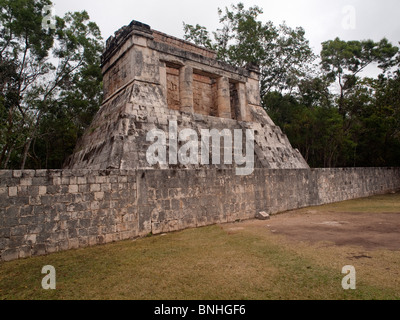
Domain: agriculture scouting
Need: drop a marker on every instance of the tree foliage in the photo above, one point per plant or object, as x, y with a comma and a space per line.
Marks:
50, 83
282, 53
344, 60
330, 112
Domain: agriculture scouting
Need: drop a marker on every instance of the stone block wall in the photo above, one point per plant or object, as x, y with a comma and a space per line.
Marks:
46, 211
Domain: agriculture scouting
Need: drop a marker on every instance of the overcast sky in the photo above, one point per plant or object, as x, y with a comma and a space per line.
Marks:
322, 20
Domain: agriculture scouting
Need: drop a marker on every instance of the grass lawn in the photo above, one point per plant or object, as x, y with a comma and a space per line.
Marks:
235, 261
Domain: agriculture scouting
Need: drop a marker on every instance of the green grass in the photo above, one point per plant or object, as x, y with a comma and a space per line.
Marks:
204, 263
378, 204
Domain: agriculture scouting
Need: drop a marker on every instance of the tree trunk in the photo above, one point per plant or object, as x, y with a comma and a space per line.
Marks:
25, 154
3, 154
341, 99
8, 157
30, 139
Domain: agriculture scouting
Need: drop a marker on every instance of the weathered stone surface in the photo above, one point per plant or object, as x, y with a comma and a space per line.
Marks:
151, 79
9, 254
142, 201
262, 215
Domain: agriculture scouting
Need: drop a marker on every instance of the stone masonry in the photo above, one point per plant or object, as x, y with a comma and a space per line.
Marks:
47, 211
150, 79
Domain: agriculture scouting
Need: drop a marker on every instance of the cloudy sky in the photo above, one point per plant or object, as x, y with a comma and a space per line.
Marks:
322, 19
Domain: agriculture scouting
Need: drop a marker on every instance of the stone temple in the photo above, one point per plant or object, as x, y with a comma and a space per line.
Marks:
151, 79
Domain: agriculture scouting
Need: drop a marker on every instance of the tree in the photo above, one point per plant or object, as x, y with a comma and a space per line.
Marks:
316, 130
314, 91
46, 71
282, 53
23, 47
344, 60
199, 35
380, 137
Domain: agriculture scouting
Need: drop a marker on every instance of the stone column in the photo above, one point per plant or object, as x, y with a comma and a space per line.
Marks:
186, 89
223, 98
253, 88
242, 102
163, 82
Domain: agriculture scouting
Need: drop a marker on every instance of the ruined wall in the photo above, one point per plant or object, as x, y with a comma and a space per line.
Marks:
150, 79
46, 211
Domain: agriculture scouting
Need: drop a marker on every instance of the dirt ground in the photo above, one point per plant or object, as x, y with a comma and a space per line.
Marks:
367, 230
